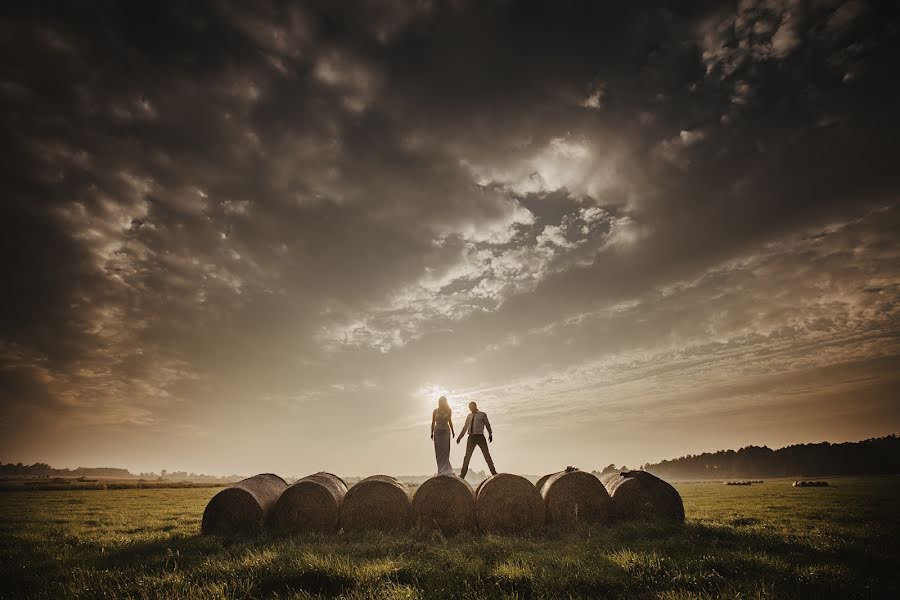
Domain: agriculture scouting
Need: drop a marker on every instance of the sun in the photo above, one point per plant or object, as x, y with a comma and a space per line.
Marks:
430, 392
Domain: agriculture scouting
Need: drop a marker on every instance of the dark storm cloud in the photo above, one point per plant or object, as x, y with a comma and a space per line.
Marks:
269, 199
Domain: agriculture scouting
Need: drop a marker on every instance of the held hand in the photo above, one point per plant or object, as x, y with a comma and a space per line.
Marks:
457, 439
491, 438
432, 435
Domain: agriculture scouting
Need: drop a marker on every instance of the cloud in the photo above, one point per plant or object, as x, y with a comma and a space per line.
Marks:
845, 15
674, 150
354, 81
565, 163
595, 98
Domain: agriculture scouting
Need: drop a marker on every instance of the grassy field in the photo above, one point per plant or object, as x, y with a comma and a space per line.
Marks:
768, 540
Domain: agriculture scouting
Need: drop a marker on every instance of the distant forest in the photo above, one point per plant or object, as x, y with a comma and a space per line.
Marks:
876, 456
45, 470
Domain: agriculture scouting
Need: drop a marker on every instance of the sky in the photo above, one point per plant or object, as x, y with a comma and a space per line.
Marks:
245, 237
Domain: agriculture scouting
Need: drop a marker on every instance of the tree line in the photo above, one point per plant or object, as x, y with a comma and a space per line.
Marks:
875, 456
45, 470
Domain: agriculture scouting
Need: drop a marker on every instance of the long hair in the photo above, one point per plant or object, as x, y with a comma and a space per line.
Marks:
444, 406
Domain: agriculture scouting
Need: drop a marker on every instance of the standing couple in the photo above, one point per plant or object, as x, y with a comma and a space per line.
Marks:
442, 431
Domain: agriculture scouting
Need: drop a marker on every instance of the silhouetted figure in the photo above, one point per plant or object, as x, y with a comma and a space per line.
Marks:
441, 433
476, 423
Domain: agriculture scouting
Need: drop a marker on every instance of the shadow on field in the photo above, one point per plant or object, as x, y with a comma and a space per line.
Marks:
621, 560
179, 551
322, 582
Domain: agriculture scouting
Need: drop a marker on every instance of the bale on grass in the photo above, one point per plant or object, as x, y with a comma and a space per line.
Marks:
574, 496
311, 504
810, 484
378, 502
508, 503
244, 507
638, 494
445, 503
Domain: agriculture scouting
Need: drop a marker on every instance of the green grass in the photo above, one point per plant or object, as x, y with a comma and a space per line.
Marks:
768, 540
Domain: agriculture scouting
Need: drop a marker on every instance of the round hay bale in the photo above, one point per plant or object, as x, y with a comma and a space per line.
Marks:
445, 503
311, 504
508, 503
244, 507
810, 484
606, 477
540, 482
574, 496
638, 494
378, 502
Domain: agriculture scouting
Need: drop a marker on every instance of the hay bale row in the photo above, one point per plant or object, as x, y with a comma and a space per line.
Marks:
312, 504
502, 503
738, 483
638, 494
244, 507
810, 484
573, 496
316, 503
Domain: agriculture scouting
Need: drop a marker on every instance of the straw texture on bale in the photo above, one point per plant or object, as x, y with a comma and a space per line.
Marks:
574, 496
606, 477
638, 494
445, 503
378, 502
244, 507
311, 504
508, 503
540, 482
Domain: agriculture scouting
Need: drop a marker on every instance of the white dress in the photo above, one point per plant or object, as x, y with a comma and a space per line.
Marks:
442, 444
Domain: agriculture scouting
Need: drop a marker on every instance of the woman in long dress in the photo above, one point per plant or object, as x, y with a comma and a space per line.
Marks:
441, 433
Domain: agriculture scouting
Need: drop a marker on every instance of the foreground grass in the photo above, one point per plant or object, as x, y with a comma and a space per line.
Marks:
770, 540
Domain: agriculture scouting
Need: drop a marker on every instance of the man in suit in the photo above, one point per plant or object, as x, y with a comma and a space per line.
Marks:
475, 425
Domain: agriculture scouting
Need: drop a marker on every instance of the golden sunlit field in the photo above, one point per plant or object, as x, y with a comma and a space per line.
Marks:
768, 540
